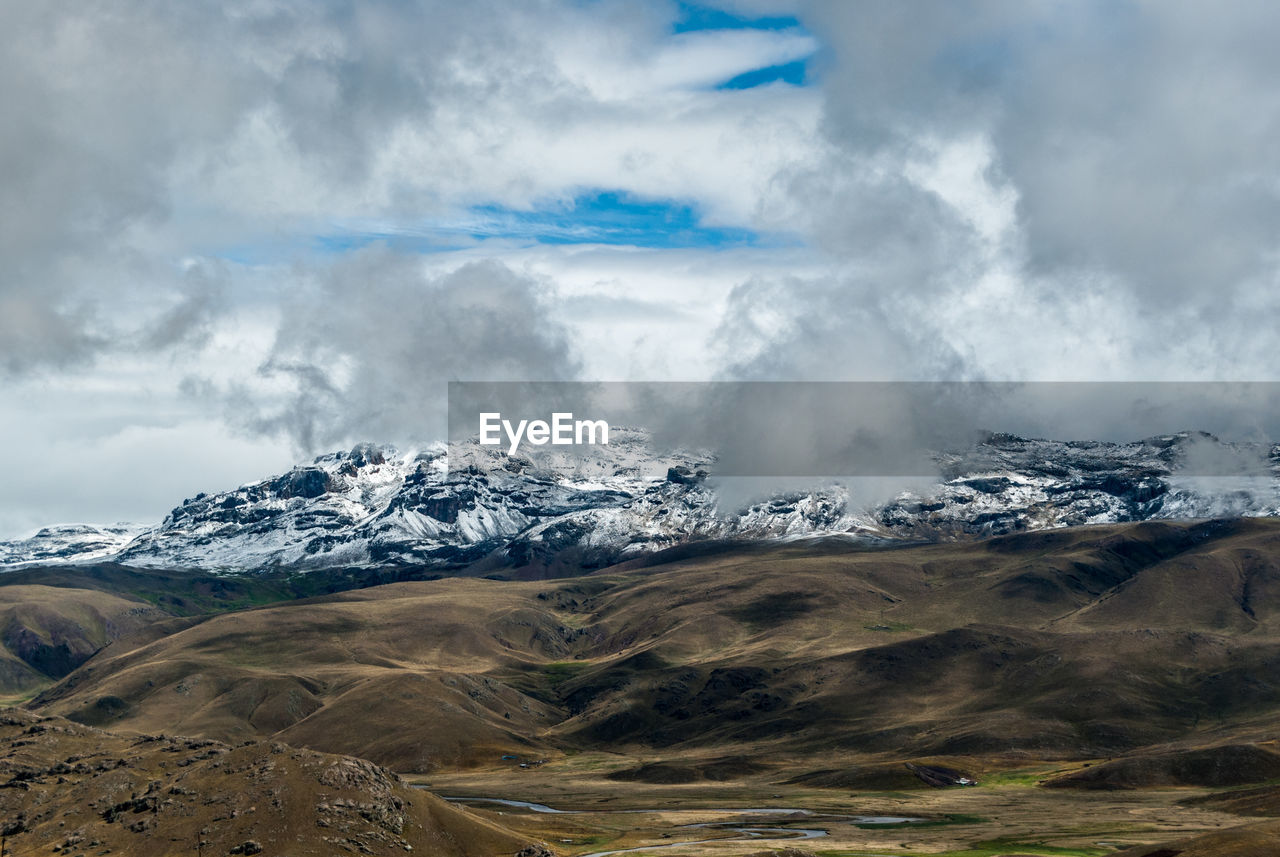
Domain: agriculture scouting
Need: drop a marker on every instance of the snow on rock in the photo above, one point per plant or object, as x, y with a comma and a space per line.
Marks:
375, 506
67, 542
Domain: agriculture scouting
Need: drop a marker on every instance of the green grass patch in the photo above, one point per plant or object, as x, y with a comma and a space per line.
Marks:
1019, 777
594, 839
1244, 787
577, 761
945, 821
558, 672
889, 626
995, 848
21, 699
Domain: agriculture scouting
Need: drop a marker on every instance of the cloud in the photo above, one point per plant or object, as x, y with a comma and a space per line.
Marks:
838, 329
116, 445
365, 347
978, 190
137, 137
1034, 190
189, 320
181, 185
137, 474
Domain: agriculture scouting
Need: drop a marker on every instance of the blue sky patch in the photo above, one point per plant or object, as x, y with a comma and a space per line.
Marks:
610, 217
695, 16
794, 73
597, 216
593, 217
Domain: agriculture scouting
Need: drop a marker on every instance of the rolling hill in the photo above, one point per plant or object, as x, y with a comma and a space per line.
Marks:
1072, 643
47, 631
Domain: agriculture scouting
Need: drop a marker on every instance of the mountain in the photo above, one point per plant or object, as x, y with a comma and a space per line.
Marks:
69, 543
376, 507
1101, 659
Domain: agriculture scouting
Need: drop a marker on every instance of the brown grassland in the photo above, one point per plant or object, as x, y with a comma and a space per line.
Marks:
1108, 687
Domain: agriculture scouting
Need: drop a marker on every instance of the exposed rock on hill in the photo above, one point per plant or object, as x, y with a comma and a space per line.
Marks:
72, 789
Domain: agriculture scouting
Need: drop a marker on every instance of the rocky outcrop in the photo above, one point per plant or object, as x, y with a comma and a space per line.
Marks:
68, 788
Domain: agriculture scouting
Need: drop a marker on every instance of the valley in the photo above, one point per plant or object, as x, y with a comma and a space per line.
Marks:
618, 428
1091, 680
1008, 816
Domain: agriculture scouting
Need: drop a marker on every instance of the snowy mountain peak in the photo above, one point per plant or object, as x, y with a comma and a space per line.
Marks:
69, 543
476, 508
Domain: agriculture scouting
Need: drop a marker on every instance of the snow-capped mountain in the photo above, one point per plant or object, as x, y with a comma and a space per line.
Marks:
374, 506
69, 543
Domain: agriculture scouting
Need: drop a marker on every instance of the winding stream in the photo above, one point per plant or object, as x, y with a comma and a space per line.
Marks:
748, 832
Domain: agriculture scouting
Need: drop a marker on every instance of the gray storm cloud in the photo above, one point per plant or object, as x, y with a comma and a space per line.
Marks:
99, 101
134, 134
1133, 146
1023, 191
1003, 190
365, 346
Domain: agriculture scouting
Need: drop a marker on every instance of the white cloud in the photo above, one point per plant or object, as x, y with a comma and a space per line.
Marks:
618, 68
139, 135
117, 445
140, 142
991, 189
1035, 190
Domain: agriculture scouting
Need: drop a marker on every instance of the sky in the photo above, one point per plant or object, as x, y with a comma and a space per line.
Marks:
239, 234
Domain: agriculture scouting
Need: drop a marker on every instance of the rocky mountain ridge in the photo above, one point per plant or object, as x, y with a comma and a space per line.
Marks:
375, 506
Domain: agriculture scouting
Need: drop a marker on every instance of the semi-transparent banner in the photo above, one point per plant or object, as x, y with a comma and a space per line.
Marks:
816, 429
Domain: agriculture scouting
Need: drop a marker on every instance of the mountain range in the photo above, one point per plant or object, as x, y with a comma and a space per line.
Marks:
482, 512
1089, 631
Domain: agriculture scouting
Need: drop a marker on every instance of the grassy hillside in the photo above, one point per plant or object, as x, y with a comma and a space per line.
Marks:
1067, 644
53, 618
46, 631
